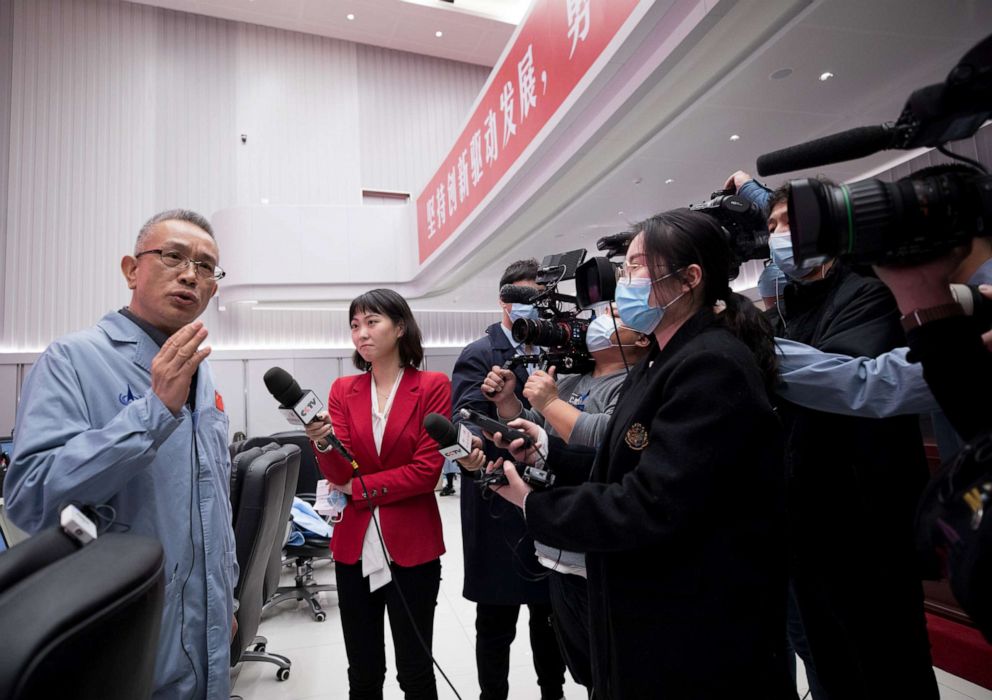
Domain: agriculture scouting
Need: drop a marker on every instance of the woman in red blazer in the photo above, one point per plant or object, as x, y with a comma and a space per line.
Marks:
379, 417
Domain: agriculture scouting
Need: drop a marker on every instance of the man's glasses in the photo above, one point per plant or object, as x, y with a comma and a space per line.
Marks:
176, 260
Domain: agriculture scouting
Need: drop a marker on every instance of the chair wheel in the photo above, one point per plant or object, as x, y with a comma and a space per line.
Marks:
260, 648
320, 616
282, 674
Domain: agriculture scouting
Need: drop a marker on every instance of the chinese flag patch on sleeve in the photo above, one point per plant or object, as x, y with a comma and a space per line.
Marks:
218, 400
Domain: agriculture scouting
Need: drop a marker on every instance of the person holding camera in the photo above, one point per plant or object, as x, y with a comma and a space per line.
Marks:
949, 345
861, 608
683, 517
581, 419
501, 571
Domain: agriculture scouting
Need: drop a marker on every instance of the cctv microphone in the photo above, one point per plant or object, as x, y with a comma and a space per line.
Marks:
454, 442
846, 145
517, 294
300, 407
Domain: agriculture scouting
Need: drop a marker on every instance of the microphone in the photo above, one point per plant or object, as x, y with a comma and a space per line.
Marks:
846, 145
300, 407
455, 442
517, 294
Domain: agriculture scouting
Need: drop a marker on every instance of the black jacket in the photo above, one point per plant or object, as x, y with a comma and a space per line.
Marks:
683, 523
849, 475
958, 370
500, 565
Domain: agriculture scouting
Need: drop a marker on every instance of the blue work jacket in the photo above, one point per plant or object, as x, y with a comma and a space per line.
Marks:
90, 431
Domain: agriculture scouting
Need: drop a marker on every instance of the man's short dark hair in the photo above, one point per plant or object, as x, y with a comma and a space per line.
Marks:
780, 195
519, 271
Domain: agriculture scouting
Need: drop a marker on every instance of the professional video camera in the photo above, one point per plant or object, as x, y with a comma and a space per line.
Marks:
744, 222
913, 219
557, 329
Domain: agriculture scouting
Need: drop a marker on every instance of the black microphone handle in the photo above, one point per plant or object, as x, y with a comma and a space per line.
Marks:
846, 145
331, 440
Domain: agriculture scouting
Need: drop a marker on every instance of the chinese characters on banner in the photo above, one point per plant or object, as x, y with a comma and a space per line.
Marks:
558, 43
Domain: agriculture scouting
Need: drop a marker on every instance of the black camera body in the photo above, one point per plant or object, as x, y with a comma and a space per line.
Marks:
911, 220
744, 222
558, 329
539, 479
596, 278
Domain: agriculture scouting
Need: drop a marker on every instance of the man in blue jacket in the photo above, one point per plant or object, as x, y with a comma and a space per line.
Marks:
124, 418
501, 570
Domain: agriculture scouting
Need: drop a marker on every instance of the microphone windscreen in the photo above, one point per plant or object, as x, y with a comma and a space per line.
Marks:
442, 430
846, 145
517, 294
282, 386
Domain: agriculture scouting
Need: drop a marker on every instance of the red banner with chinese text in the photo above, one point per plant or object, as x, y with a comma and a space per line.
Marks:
558, 43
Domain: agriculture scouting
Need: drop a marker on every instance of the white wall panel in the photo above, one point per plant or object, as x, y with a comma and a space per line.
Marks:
8, 398
441, 360
317, 374
117, 111
412, 108
6, 77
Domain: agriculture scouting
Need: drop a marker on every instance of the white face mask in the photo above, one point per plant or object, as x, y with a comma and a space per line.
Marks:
600, 332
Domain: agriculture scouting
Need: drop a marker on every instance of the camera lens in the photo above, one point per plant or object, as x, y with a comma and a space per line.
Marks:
543, 333
910, 220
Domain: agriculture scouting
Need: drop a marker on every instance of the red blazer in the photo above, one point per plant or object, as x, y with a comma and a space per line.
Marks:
401, 480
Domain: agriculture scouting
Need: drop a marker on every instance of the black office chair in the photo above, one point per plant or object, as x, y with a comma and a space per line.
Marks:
258, 482
80, 622
313, 548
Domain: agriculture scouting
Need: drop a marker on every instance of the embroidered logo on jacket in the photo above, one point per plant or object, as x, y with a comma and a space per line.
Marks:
127, 398
636, 437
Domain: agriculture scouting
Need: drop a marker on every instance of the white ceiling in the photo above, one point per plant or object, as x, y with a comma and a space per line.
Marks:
474, 31
879, 52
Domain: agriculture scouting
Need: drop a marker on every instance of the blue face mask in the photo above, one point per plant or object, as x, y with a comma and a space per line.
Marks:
780, 246
635, 310
528, 311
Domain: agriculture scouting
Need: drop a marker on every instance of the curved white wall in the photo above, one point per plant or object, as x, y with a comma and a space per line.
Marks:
118, 111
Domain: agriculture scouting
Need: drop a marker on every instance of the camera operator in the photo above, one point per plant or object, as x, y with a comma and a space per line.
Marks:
571, 419
497, 578
848, 476
949, 345
682, 518
884, 386
582, 419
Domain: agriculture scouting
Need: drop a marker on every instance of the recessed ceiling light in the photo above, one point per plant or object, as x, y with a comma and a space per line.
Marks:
824, 77
438, 33
735, 137
781, 74
669, 180
350, 17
